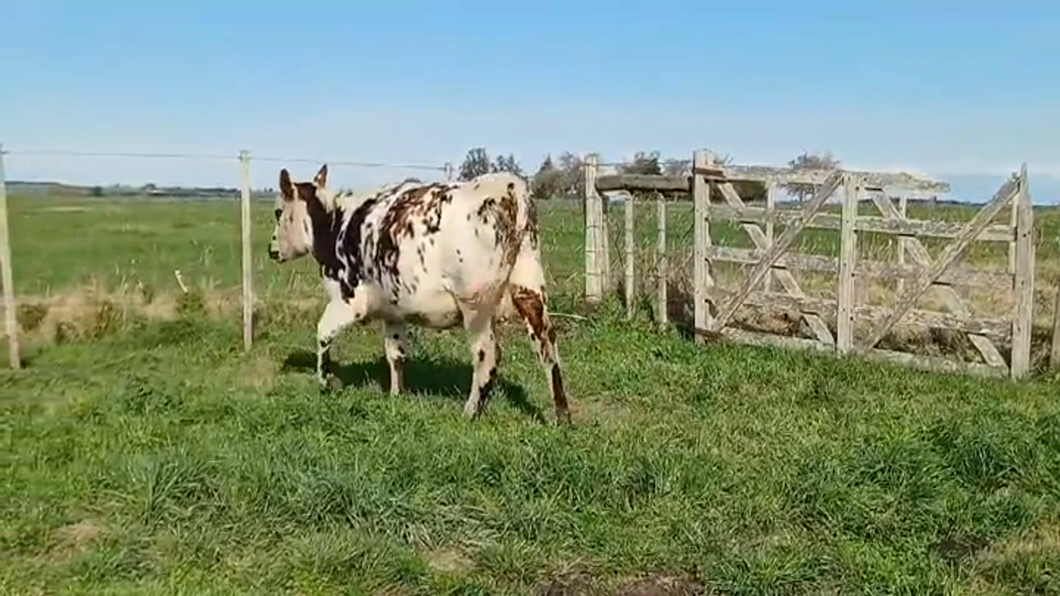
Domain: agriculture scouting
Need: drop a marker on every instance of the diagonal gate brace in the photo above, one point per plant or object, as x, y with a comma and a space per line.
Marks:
915, 249
953, 250
779, 246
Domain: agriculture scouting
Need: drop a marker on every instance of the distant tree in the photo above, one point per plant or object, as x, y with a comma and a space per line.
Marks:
476, 163
677, 167
573, 168
506, 164
549, 181
809, 161
643, 163
683, 167
96, 191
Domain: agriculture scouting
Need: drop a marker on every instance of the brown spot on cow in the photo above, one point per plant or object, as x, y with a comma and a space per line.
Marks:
502, 214
531, 307
532, 229
414, 203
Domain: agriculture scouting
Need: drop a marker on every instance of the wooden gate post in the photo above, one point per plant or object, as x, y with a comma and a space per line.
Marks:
703, 279
1023, 280
848, 254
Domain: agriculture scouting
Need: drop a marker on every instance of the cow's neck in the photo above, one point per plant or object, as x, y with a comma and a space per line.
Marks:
326, 225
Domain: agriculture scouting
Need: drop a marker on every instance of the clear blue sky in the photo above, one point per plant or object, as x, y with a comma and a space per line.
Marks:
918, 87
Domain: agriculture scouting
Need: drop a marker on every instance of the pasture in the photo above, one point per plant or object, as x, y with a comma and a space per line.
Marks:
144, 451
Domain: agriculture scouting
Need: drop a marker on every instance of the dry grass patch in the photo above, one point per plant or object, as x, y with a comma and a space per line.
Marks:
448, 560
77, 538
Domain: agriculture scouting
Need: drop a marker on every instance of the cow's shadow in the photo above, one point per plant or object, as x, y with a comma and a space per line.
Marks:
446, 378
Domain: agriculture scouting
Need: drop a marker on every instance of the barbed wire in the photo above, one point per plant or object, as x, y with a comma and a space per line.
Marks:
345, 163
124, 154
223, 157
580, 164
661, 162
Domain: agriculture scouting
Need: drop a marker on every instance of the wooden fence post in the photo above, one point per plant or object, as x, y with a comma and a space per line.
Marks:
848, 254
903, 241
448, 172
603, 238
7, 278
1012, 248
248, 261
630, 242
1023, 280
593, 275
662, 260
703, 280
771, 206
1054, 353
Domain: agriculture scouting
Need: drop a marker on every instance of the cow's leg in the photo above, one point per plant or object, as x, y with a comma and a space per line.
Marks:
337, 316
527, 287
395, 345
485, 352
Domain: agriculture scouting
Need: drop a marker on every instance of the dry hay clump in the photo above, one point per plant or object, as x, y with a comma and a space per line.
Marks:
93, 311
578, 581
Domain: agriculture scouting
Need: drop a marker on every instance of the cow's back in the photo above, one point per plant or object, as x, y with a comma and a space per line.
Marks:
431, 245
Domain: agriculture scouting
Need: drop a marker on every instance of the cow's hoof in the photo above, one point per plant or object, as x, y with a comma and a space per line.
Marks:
471, 411
563, 418
331, 385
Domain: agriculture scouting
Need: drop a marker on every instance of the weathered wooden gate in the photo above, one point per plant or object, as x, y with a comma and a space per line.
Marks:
833, 321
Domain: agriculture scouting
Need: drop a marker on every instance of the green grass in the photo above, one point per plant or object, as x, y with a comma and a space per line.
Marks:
154, 456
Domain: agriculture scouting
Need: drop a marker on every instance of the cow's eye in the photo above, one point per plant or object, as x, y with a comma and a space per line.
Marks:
277, 213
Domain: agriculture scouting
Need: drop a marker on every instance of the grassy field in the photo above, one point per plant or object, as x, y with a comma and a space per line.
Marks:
144, 452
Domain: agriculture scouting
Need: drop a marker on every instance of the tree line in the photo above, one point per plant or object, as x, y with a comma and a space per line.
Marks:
562, 177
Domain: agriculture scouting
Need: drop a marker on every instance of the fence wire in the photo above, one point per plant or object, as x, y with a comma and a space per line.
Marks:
649, 262
128, 253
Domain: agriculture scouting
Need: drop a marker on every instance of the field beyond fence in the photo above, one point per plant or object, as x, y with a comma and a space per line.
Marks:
146, 451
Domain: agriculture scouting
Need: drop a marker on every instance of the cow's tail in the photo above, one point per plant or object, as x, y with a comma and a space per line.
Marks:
515, 218
525, 225
519, 208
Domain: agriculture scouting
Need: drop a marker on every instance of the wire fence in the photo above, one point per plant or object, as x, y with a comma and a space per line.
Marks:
650, 250
87, 266
88, 259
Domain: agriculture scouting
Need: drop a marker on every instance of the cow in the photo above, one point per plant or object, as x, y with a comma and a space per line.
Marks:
438, 255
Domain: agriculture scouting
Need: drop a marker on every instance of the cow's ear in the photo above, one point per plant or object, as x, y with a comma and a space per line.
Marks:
286, 187
321, 179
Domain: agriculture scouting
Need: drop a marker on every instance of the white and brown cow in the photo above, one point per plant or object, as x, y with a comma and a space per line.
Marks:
433, 254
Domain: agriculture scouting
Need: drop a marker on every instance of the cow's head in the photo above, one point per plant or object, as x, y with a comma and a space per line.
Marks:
293, 235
